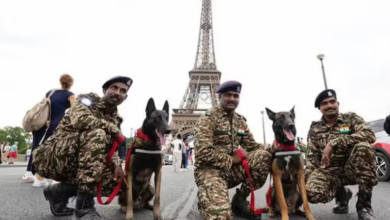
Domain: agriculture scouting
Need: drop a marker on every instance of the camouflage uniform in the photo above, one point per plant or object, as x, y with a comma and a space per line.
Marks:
76, 153
352, 160
216, 142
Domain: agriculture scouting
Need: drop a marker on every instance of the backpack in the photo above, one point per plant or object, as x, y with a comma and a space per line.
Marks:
39, 116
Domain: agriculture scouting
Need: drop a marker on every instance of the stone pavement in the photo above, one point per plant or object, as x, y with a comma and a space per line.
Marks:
16, 164
20, 201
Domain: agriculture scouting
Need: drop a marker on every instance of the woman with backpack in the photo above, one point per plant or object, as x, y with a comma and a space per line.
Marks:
60, 100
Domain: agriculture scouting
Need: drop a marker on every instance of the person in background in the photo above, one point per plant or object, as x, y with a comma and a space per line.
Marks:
1, 151
188, 152
177, 148
28, 154
386, 125
6, 149
13, 153
184, 155
122, 150
61, 100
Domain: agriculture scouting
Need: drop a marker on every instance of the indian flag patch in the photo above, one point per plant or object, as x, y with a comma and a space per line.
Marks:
344, 129
241, 131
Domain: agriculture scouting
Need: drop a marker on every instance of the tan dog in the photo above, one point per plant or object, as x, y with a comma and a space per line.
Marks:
289, 190
146, 158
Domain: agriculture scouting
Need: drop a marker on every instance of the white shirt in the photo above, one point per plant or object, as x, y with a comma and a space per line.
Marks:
28, 152
176, 145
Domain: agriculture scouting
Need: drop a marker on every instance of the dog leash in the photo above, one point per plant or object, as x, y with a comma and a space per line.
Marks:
111, 153
118, 187
252, 188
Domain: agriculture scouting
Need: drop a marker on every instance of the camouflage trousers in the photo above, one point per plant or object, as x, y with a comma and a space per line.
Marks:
213, 184
78, 160
359, 169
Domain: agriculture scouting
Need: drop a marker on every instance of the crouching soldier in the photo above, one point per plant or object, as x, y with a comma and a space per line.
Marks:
75, 155
340, 154
218, 134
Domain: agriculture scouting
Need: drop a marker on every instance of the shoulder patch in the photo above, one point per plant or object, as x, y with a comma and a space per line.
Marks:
85, 101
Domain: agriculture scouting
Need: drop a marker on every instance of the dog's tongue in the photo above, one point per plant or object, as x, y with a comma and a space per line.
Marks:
161, 137
289, 135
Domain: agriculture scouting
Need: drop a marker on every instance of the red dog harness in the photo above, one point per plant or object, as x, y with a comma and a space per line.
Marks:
285, 147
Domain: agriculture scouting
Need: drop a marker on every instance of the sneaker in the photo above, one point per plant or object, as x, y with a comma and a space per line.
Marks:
28, 177
40, 183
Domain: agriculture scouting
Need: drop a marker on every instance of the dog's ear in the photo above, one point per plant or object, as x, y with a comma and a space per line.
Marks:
166, 107
271, 114
150, 107
292, 111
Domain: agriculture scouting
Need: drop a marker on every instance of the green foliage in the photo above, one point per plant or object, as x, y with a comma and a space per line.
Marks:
16, 134
129, 141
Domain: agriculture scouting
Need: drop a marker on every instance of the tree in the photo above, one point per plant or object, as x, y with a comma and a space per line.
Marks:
16, 134
129, 141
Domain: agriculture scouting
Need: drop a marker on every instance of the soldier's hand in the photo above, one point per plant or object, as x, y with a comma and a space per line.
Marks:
119, 175
237, 159
325, 161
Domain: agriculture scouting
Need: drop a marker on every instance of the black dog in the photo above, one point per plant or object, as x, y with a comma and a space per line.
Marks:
288, 192
146, 158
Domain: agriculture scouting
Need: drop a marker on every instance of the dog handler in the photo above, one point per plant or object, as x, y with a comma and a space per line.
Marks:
75, 155
340, 154
219, 133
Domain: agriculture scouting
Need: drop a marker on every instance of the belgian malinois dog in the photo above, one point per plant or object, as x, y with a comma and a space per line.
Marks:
289, 190
146, 158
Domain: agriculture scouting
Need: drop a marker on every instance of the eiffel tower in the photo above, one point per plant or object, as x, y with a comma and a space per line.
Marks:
204, 80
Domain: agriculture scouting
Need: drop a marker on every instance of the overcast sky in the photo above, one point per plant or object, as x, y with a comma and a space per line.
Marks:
269, 46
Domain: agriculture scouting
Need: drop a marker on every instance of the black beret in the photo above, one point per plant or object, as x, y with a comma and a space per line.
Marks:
123, 79
324, 95
229, 86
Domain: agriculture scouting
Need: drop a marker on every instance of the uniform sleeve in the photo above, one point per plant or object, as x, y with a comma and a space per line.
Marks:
248, 142
314, 155
362, 133
82, 118
115, 160
205, 152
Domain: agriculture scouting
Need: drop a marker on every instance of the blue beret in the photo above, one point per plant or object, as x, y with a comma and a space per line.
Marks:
229, 86
123, 79
324, 95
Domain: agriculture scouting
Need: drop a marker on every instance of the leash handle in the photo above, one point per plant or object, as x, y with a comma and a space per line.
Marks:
118, 187
252, 188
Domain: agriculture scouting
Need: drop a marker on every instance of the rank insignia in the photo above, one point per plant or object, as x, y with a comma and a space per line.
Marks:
240, 131
86, 102
344, 129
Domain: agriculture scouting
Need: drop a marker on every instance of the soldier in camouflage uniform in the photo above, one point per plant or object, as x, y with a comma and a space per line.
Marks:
75, 155
219, 133
340, 154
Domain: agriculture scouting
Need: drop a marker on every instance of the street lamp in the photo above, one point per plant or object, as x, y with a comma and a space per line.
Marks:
262, 115
321, 57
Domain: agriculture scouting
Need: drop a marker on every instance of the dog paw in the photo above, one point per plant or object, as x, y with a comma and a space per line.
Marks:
123, 209
157, 216
129, 218
310, 217
271, 214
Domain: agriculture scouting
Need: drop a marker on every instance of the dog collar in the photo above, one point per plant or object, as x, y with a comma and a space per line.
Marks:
285, 147
143, 136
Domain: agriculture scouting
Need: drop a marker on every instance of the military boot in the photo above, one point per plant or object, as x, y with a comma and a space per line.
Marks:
240, 207
363, 206
343, 195
85, 207
58, 196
